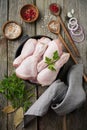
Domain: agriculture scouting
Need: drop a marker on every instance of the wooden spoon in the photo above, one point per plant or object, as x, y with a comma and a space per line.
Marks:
56, 30
57, 14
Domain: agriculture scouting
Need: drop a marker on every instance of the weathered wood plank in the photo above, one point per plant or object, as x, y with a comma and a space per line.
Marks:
3, 13
3, 61
14, 14
44, 19
82, 14
77, 119
3, 57
50, 121
68, 5
3, 72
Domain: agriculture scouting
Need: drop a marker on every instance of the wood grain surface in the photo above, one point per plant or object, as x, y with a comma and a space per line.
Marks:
9, 10
3, 61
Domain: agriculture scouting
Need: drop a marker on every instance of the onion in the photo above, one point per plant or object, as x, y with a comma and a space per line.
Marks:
73, 21
79, 38
72, 27
77, 32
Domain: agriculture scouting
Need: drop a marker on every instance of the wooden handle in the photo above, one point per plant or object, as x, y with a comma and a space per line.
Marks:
68, 36
64, 123
85, 78
65, 45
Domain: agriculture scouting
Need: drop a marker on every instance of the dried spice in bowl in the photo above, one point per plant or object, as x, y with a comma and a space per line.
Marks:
29, 13
12, 30
54, 8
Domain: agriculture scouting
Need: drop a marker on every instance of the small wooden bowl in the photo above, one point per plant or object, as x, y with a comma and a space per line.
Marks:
27, 7
10, 29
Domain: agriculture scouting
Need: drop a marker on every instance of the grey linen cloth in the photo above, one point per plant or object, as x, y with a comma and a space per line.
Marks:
75, 94
41, 106
62, 99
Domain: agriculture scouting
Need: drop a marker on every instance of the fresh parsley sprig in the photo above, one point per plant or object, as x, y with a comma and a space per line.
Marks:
14, 89
51, 62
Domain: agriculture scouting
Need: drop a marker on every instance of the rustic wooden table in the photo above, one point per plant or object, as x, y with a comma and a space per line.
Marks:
9, 10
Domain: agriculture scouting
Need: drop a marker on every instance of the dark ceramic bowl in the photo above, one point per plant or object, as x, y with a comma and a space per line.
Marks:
63, 70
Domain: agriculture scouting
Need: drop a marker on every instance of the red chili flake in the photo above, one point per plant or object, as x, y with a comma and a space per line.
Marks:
54, 8
29, 14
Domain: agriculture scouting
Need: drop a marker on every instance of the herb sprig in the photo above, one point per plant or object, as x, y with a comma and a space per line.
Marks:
13, 88
51, 62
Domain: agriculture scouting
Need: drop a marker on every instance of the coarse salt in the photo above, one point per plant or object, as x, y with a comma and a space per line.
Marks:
12, 30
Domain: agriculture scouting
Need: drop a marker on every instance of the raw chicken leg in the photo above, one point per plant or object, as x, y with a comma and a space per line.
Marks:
45, 40
27, 50
54, 45
28, 67
47, 76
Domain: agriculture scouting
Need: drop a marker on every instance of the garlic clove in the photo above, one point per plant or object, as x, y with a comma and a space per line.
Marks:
69, 14
72, 11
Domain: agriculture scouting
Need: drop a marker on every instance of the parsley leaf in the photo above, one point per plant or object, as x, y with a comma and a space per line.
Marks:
14, 89
50, 62
55, 55
52, 67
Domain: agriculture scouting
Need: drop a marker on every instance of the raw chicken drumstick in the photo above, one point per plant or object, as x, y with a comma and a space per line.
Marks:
54, 45
27, 50
47, 76
28, 67
45, 40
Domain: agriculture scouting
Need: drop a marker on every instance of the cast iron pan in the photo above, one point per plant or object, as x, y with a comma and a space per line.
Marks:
63, 71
